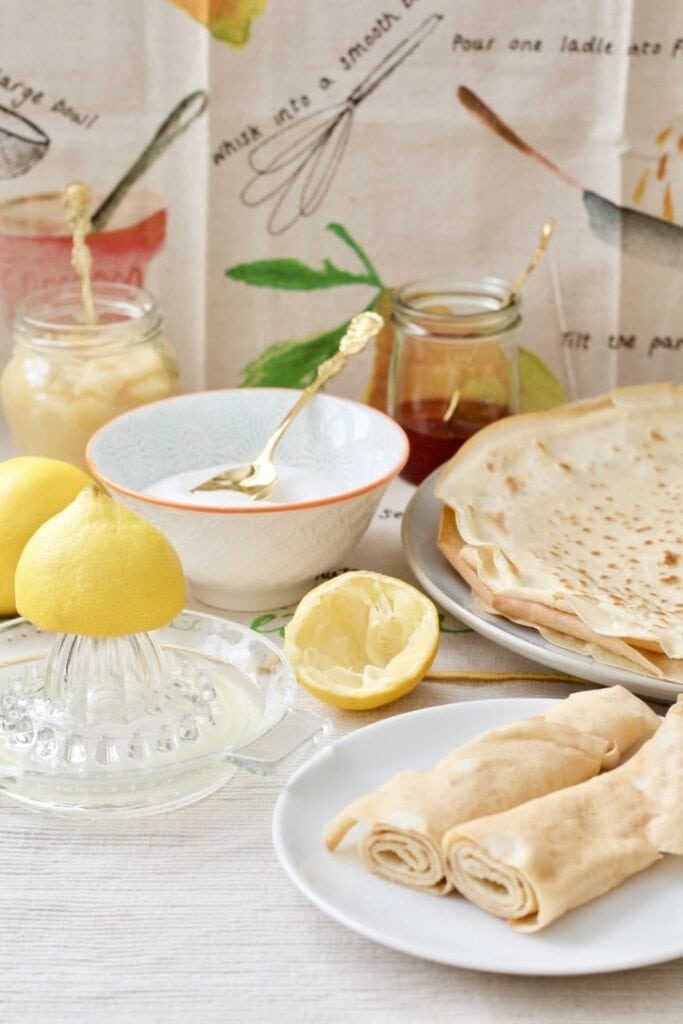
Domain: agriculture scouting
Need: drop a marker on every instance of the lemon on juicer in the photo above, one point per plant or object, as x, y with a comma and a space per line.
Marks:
96, 569
362, 639
32, 489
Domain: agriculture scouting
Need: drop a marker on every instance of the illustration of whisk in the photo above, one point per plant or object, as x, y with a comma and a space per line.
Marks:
298, 163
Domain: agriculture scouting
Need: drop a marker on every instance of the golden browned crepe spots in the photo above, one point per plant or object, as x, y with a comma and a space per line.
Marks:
409, 815
571, 521
535, 862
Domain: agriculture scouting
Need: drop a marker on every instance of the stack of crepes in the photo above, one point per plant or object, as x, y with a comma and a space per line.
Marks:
570, 521
533, 863
409, 815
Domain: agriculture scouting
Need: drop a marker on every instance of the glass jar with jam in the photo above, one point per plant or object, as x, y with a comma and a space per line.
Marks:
453, 366
66, 378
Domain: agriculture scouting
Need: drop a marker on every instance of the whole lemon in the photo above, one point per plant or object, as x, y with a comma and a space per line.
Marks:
97, 569
32, 489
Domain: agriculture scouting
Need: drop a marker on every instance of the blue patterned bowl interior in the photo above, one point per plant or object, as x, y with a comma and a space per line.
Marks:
354, 442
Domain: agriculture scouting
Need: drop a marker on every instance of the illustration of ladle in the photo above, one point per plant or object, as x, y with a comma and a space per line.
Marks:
299, 162
180, 118
630, 230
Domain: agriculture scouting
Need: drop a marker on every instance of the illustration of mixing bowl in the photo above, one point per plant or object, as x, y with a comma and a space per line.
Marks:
35, 246
22, 143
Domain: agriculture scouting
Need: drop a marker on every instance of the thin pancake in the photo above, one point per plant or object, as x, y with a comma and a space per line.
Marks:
551, 622
535, 862
578, 510
410, 813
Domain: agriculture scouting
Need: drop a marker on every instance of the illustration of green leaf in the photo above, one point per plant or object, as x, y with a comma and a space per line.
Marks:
292, 364
340, 231
292, 275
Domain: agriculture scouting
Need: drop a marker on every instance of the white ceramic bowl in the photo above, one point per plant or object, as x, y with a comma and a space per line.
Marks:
336, 461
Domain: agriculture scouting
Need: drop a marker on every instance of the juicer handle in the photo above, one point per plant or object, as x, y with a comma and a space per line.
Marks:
269, 752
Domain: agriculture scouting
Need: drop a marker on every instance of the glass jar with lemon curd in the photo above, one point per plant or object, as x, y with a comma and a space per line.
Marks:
66, 378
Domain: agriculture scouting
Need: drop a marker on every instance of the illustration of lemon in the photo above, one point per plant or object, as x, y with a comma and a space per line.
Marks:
362, 639
227, 20
32, 489
97, 569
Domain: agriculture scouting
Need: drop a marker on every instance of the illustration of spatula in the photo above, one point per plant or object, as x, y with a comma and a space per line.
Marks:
629, 230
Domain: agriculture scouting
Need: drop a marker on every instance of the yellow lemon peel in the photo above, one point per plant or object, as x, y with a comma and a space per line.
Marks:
32, 490
362, 639
98, 569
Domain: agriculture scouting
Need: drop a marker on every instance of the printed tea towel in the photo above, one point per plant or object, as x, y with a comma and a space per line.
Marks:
307, 157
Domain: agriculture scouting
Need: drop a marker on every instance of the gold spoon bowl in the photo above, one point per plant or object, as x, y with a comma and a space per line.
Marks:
259, 478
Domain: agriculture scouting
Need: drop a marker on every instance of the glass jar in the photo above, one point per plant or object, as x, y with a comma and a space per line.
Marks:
453, 366
65, 379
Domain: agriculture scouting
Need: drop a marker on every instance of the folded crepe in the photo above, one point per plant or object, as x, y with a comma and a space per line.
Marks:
568, 521
410, 813
533, 863
563, 628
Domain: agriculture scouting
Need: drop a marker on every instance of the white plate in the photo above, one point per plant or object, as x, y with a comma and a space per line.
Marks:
441, 581
639, 923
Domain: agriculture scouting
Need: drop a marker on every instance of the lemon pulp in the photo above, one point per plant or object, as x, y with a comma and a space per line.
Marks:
362, 639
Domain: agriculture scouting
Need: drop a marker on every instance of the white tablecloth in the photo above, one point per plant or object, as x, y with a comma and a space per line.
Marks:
189, 917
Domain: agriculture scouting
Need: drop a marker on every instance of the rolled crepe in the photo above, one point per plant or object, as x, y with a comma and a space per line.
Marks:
410, 813
533, 863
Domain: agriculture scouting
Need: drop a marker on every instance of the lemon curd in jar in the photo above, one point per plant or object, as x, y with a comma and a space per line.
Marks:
65, 378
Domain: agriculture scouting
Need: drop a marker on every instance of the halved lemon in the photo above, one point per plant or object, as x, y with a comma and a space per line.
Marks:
98, 569
362, 639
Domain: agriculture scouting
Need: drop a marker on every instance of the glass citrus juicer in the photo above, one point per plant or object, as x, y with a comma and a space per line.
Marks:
134, 722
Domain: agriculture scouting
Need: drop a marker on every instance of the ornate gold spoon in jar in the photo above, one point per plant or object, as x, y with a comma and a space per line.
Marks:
77, 199
546, 235
259, 478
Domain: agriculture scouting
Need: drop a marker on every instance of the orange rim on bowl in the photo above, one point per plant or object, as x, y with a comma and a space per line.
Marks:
246, 509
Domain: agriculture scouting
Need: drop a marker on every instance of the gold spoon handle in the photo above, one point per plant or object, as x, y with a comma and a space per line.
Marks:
363, 327
546, 235
77, 199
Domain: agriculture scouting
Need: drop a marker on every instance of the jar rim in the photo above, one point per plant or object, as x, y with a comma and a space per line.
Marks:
410, 301
37, 317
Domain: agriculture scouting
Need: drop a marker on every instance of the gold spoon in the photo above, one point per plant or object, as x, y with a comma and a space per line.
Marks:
77, 199
258, 479
546, 235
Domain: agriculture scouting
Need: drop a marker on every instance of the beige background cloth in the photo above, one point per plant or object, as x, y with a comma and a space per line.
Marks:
422, 185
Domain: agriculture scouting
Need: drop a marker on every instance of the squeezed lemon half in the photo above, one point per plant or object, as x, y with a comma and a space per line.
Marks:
97, 569
362, 639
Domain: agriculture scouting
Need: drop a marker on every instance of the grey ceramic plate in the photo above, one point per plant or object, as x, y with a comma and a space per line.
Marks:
439, 579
